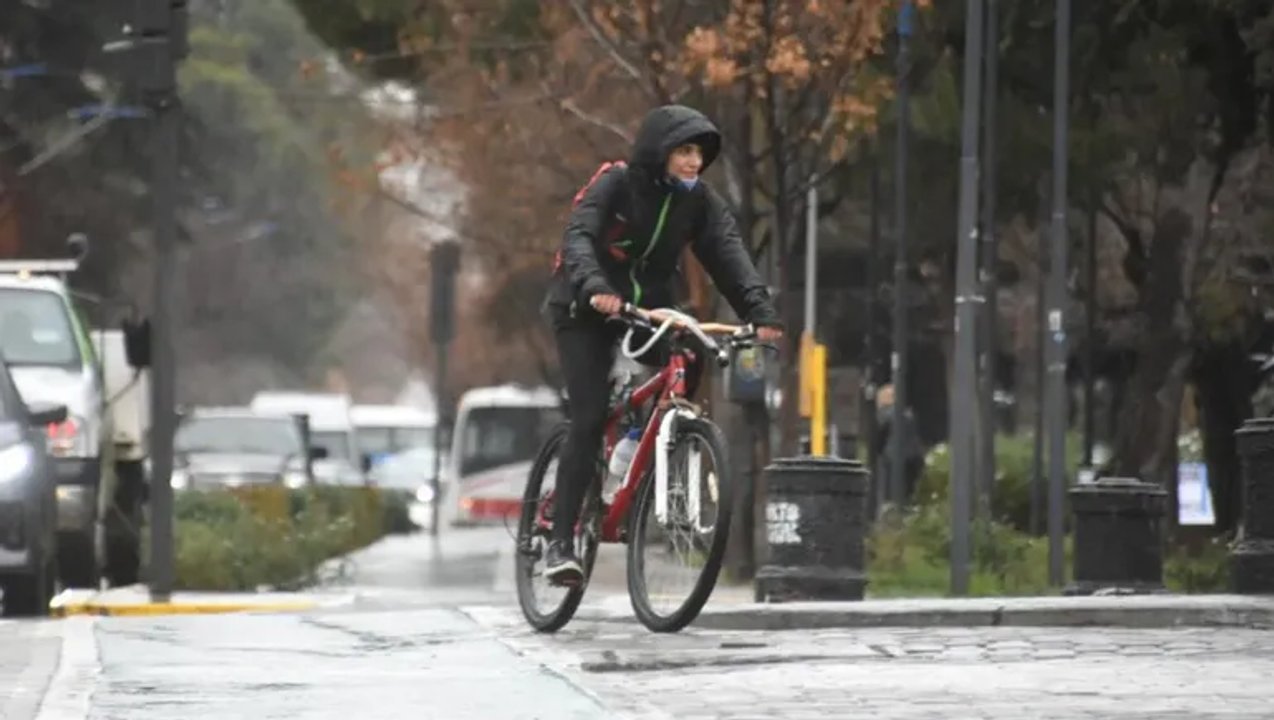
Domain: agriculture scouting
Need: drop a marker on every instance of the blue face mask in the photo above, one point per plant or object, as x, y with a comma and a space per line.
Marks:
688, 184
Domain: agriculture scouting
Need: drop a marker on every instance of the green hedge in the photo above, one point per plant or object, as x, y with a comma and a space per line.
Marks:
274, 537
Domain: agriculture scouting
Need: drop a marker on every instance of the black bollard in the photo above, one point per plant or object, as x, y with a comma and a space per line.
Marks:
815, 528
1252, 556
1118, 537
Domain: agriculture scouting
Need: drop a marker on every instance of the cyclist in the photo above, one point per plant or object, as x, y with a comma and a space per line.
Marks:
622, 243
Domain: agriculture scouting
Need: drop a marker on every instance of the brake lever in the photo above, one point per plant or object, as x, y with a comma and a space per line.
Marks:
628, 314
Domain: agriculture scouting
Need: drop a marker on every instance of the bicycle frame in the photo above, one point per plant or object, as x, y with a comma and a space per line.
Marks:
668, 384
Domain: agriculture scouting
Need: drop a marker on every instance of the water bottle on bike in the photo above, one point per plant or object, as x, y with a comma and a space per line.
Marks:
620, 458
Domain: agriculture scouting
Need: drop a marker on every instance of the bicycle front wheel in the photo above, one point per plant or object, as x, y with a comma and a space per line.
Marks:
677, 542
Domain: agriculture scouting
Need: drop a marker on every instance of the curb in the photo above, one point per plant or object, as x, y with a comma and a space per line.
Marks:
154, 609
73, 603
1128, 612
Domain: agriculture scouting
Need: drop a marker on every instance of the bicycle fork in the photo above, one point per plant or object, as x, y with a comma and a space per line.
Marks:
663, 450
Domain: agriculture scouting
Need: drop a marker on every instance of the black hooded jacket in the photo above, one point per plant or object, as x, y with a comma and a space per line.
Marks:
626, 235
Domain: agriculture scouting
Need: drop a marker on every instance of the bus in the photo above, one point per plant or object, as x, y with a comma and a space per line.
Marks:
498, 431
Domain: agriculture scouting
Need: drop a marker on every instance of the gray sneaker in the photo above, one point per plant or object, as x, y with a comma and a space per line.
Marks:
560, 566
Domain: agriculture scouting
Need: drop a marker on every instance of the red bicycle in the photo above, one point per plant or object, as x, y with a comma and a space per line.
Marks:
673, 508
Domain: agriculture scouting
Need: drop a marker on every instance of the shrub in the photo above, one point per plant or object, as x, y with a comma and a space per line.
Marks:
246, 538
1014, 465
909, 555
1205, 570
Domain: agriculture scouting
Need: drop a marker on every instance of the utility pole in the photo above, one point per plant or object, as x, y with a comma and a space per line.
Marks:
444, 262
989, 331
966, 304
1056, 370
898, 360
153, 44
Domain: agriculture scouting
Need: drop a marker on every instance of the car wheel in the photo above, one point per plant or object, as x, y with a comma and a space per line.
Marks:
28, 595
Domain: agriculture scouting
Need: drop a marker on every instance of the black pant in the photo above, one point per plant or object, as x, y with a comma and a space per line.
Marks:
586, 349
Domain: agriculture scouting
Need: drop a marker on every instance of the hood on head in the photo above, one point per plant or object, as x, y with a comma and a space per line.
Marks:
667, 127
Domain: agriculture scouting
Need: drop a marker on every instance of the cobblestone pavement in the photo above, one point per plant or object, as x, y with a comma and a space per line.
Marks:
913, 673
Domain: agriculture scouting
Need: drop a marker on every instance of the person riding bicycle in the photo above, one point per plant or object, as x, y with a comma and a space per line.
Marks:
622, 243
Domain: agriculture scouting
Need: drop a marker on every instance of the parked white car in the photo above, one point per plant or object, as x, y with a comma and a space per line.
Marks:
331, 428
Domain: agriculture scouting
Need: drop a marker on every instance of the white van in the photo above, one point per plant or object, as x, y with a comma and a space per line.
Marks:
385, 430
498, 431
331, 428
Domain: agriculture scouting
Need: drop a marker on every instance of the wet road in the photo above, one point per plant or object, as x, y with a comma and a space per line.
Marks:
432, 632
460, 566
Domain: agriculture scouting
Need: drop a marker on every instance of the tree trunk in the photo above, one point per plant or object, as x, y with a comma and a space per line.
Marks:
1225, 380
1146, 438
739, 422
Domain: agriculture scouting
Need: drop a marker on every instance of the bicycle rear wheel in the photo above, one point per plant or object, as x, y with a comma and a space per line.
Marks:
546, 607
673, 562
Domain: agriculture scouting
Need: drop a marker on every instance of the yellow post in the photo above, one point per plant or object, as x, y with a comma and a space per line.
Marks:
818, 400
806, 372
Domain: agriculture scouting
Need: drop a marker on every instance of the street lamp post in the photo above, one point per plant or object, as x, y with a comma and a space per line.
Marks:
966, 304
444, 263
1056, 362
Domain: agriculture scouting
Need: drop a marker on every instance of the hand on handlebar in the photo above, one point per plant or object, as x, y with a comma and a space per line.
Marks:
607, 304
737, 336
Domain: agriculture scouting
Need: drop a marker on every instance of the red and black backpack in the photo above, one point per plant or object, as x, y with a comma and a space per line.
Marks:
611, 234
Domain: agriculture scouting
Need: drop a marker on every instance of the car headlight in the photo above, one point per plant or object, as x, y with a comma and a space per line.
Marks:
425, 494
180, 479
15, 462
295, 479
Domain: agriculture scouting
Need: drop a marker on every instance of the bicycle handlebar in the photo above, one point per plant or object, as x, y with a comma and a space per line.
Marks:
667, 318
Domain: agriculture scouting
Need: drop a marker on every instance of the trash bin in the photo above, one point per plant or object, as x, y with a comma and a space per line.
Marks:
815, 516
1118, 525
1252, 557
